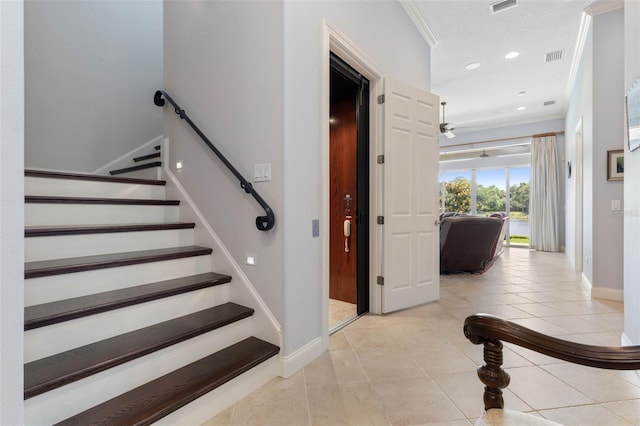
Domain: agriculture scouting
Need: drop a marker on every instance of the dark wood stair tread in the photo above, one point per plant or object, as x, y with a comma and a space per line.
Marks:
99, 178
136, 168
66, 367
48, 231
46, 199
146, 157
64, 310
154, 400
44, 268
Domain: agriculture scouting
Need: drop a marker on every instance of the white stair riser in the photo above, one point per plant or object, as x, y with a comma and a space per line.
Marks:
36, 214
63, 402
64, 286
150, 173
84, 188
58, 247
46, 341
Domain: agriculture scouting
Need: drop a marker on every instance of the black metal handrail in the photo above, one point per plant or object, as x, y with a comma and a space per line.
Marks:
263, 223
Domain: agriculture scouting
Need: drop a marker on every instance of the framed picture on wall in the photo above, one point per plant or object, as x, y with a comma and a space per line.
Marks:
615, 164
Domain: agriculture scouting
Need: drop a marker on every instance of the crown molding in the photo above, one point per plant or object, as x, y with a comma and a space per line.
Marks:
603, 6
412, 10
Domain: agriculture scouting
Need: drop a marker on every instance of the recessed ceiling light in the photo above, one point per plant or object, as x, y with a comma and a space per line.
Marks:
473, 66
521, 108
512, 55
522, 93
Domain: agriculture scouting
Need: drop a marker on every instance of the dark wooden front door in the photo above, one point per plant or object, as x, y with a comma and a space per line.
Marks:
349, 186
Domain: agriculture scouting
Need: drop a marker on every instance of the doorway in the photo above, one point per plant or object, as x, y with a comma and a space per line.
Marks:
348, 194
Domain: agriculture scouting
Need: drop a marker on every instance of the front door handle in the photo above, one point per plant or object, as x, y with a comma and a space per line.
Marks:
347, 234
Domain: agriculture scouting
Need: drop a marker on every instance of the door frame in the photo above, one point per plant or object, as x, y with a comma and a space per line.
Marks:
335, 41
579, 197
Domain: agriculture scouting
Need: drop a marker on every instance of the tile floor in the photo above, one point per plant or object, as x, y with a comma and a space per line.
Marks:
415, 367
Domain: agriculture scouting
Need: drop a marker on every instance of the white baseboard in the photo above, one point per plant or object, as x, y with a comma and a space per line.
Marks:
607, 293
625, 341
585, 282
126, 159
292, 363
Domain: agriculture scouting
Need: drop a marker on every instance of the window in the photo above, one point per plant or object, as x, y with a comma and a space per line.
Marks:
455, 192
484, 191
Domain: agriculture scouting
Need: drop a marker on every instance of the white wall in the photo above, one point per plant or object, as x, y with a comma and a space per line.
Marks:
597, 98
91, 69
223, 63
631, 193
11, 210
250, 75
580, 107
387, 37
608, 134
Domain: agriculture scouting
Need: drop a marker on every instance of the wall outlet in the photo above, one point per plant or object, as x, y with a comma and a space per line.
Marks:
262, 172
615, 205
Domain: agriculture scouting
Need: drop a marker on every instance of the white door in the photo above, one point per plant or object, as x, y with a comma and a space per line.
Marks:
411, 243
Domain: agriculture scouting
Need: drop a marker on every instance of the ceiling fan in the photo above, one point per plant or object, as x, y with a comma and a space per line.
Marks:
446, 128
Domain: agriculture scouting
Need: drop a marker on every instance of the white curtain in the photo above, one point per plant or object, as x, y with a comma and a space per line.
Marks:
544, 217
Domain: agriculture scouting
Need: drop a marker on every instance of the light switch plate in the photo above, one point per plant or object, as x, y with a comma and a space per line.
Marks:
262, 172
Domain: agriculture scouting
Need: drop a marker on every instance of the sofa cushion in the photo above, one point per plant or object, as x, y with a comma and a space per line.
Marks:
468, 243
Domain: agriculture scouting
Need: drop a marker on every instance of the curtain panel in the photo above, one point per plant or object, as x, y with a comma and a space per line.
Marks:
544, 217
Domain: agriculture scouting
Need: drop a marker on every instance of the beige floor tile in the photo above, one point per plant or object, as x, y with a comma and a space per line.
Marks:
345, 404
338, 342
369, 338
334, 367
222, 419
539, 310
411, 401
541, 390
583, 415
541, 325
393, 363
273, 407
576, 324
366, 321
465, 390
599, 385
582, 307
628, 410
441, 359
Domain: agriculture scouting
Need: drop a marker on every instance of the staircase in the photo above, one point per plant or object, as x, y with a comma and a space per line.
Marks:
125, 322
146, 166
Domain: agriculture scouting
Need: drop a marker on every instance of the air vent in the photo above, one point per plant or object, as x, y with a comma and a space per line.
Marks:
553, 56
501, 6
549, 103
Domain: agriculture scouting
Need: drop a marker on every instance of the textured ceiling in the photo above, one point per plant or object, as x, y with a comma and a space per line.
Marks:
467, 31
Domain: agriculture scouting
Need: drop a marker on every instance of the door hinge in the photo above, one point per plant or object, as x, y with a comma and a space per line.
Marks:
381, 99
380, 280
380, 159
380, 220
